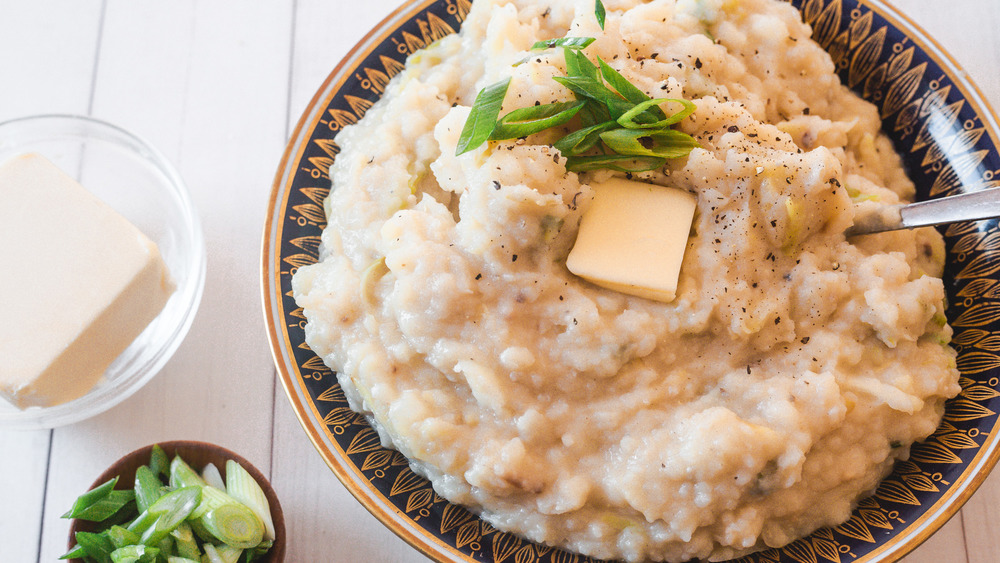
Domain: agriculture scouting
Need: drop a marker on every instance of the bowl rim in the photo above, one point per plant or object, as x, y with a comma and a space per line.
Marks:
188, 293
173, 446
918, 530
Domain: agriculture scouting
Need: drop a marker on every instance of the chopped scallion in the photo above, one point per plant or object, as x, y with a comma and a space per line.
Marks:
482, 117
532, 119
148, 487
135, 554
97, 547
241, 486
210, 473
159, 463
568, 42
235, 524
616, 162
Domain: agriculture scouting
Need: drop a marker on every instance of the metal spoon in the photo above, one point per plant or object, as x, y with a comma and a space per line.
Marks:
972, 206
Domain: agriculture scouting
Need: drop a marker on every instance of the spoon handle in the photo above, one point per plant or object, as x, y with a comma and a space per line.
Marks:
971, 206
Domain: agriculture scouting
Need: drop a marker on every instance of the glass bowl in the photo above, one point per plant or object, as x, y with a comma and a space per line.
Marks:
137, 181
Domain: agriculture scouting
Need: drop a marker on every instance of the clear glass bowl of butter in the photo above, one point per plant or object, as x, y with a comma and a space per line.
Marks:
136, 181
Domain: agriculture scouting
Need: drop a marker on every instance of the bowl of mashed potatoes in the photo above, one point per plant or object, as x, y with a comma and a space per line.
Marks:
798, 393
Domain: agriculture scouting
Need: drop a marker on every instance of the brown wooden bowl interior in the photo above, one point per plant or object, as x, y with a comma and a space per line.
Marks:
197, 455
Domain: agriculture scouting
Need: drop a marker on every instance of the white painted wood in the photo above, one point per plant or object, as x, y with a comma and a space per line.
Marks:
217, 86
206, 82
65, 37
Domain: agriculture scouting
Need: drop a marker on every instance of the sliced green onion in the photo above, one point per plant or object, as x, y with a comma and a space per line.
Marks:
568, 42
103, 508
599, 12
613, 162
148, 487
594, 113
78, 552
143, 522
627, 89
228, 553
235, 524
257, 552
241, 486
120, 537
482, 117
211, 498
185, 543
179, 559
628, 118
582, 140
159, 463
170, 510
577, 64
589, 88
166, 546
97, 547
212, 555
666, 143
90, 497
527, 121
181, 475
210, 473
135, 554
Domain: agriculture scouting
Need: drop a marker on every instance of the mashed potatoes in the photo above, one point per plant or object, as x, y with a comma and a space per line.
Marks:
791, 370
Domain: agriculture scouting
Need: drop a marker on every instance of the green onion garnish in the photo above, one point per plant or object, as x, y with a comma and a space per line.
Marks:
627, 119
532, 119
483, 117
614, 162
614, 117
665, 143
569, 42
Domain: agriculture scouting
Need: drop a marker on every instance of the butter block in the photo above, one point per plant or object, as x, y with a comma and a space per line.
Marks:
78, 284
632, 238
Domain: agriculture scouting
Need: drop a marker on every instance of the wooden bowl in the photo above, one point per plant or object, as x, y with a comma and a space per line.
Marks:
197, 455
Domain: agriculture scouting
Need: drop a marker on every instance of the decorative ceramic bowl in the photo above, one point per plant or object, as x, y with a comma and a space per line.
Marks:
197, 455
138, 182
940, 125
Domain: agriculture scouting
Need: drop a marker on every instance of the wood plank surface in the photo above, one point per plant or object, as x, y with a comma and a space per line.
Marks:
57, 77
217, 86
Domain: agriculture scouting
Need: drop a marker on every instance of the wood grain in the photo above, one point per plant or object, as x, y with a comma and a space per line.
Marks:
217, 86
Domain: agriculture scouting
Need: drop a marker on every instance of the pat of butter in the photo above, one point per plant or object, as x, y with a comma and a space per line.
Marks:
77, 285
632, 238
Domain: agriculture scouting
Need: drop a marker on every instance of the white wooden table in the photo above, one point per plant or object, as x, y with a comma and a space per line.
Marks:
217, 86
